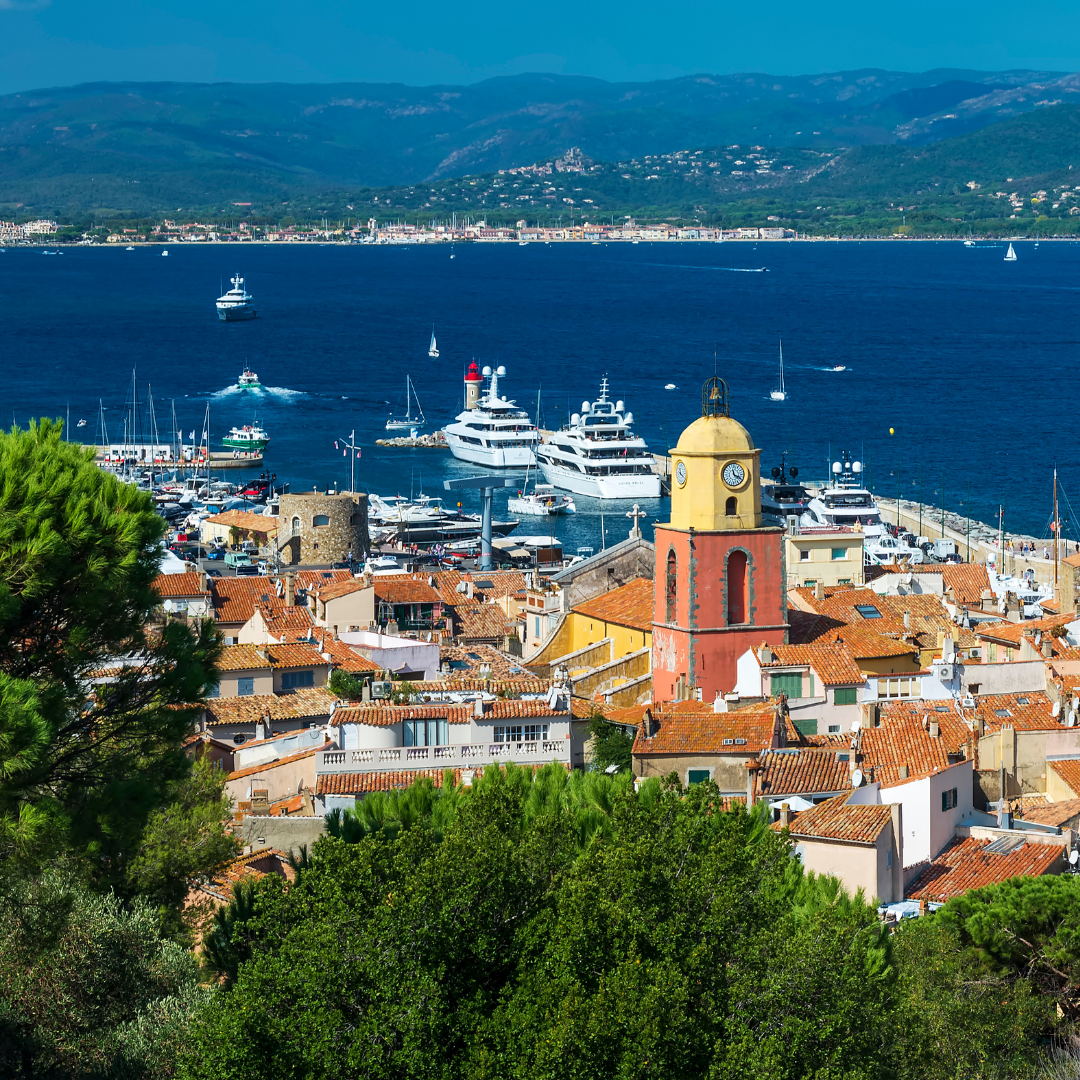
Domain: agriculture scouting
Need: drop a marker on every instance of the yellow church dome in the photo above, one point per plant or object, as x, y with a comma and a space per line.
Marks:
717, 434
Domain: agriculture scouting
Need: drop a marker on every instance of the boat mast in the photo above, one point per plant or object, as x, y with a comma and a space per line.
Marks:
1057, 530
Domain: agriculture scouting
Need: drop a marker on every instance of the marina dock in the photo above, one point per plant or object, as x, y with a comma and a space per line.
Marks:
219, 459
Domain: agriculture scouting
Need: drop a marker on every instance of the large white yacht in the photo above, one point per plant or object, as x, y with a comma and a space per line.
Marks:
237, 304
599, 454
494, 431
844, 502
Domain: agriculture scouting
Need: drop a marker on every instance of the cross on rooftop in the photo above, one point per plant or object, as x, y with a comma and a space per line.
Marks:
637, 514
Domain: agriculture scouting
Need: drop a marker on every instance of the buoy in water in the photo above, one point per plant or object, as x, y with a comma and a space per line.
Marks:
892, 431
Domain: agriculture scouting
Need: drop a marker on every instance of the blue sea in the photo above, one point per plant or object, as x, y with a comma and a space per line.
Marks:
971, 361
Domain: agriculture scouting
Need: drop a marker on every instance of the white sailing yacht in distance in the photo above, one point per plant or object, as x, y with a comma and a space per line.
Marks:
1010, 255
433, 349
780, 394
408, 421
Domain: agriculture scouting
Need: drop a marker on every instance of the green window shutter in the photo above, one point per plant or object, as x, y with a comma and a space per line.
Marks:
790, 684
806, 727
846, 695
696, 776
810, 676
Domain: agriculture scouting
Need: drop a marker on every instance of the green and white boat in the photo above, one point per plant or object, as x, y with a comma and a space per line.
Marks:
251, 437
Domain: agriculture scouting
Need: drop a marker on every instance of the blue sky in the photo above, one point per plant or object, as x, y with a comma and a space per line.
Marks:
58, 42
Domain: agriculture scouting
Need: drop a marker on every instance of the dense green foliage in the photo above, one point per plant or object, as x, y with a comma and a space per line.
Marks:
612, 747
88, 986
550, 927
345, 685
84, 760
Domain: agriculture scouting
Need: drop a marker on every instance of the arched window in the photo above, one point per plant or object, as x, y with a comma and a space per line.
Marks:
736, 587
671, 586
296, 524
320, 519
731, 508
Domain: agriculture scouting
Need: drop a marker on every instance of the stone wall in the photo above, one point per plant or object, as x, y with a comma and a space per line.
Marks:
342, 528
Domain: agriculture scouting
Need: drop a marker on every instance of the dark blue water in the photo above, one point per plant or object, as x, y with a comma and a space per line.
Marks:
971, 360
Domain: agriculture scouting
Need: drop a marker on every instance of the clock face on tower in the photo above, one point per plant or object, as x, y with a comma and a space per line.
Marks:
680, 473
733, 474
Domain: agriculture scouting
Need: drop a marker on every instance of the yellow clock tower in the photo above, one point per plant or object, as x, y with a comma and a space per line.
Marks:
719, 581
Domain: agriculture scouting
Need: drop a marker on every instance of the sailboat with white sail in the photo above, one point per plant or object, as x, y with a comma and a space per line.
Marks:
1010, 255
780, 393
408, 421
433, 349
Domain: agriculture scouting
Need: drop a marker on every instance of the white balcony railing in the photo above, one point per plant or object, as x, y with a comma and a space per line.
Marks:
453, 755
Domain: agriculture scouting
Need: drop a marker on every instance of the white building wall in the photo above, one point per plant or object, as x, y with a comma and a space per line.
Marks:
927, 829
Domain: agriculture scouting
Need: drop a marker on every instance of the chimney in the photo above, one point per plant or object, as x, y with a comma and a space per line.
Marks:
935, 729
202, 581
819, 590
753, 767
478, 708
903, 772
290, 590
1047, 647
647, 730
765, 654
719, 702
785, 815
907, 622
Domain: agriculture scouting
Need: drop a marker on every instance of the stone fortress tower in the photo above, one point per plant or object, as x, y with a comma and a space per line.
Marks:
323, 527
719, 578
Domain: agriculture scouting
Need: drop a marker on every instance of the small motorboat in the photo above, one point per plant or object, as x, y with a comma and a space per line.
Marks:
670, 386
839, 367
81, 423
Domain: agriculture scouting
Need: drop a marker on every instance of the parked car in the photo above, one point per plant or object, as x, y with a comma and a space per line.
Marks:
216, 554
211, 572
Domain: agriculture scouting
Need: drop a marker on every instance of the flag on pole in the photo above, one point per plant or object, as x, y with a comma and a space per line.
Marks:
344, 453
357, 453
336, 447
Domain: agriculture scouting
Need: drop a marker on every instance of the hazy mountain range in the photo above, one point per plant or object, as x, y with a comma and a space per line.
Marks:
145, 146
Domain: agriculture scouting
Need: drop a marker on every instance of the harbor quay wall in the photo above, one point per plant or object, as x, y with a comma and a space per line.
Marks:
323, 527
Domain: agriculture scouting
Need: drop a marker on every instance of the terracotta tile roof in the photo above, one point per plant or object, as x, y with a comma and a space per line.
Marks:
629, 605
242, 658
966, 580
334, 589
965, 864
284, 807
1032, 711
832, 662
294, 655
364, 783
307, 703
1056, 813
834, 819
521, 684
493, 585
280, 621
585, 709
267, 766
1068, 769
482, 621
466, 661
801, 771
702, 731
175, 586
256, 864
404, 590
1009, 633
346, 658
902, 740
377, 714
235, 598
246, 521
312, 579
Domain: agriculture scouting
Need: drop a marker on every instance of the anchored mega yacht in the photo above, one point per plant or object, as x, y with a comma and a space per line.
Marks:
599, 454
844, 502
237, 303
491, 430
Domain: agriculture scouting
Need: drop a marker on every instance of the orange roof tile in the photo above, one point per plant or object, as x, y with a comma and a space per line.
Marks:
246, 521
363, 783
466, 661
294, 655
902, 740
965, 864
307, 703
482, 621
629, 605
346, 658
801, 771
966, 580
396, 590
1068, 769
832, 661
834, 819
267, 766
1056, 813
1009, 633
174, 586
235, 597
1032, 711
293, 620
702, 731
242, 658
377, 714
332, 590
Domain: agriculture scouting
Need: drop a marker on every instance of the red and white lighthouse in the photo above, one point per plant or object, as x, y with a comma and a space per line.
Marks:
473, 382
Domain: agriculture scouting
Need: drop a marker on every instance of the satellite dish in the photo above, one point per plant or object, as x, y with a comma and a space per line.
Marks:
500, 370
575, 419
620, 406
856, 725
775, 473
837, 467
1056, 710
793, 472
485, 371
856, 778
584, 406
1074, 856
856, 466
